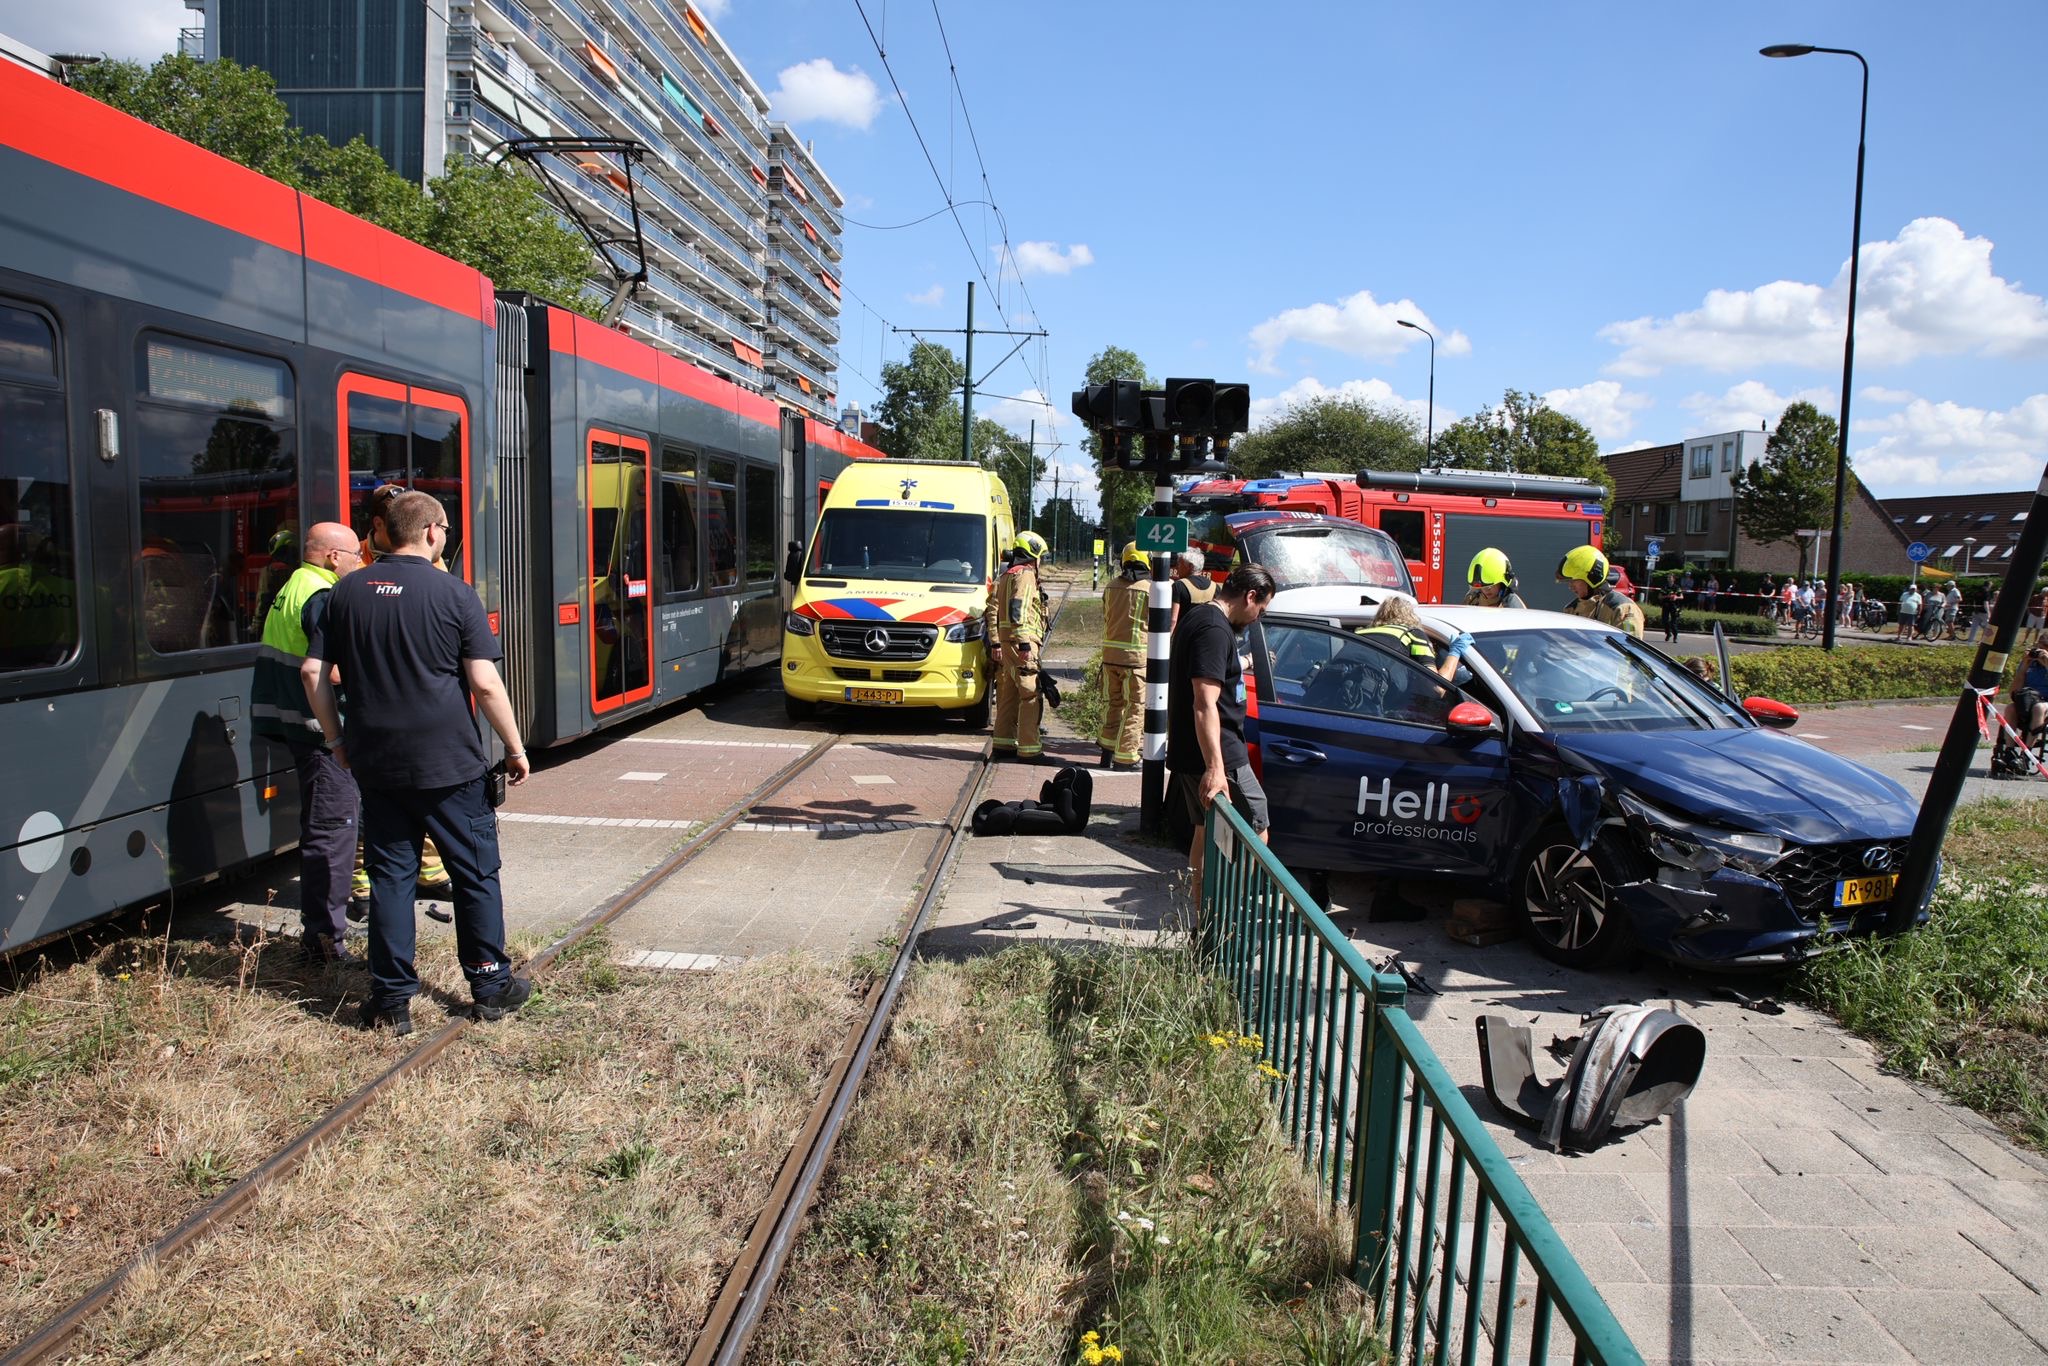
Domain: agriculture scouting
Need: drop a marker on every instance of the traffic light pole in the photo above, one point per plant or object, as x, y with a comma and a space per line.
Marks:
1158, 636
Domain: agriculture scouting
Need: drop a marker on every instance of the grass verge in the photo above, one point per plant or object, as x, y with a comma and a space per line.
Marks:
1860, 673
1962, 1003
1061, 1144
570, 1184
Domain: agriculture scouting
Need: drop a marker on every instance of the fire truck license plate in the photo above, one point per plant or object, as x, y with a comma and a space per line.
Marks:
874, 694
1862, 891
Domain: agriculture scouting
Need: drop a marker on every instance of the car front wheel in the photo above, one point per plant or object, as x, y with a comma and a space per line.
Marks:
1566, 898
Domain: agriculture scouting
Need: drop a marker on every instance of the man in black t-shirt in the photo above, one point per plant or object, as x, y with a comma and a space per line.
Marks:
412, 645
1205, 753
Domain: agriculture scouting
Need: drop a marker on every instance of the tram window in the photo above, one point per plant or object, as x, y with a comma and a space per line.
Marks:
760, 508
38, 576
679, 519
721, 525
218, 465
401, 434
1406, 529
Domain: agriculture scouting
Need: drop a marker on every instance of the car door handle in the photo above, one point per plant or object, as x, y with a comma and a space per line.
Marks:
1296, 753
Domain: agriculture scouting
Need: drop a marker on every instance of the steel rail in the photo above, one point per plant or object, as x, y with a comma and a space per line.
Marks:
52, 1336
729, 1326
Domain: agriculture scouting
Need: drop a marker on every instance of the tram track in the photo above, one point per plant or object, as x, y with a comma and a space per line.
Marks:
750, 1283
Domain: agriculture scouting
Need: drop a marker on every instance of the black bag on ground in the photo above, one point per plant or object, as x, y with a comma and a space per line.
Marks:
1061, 809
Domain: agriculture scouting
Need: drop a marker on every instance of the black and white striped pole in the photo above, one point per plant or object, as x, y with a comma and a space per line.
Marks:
1158, 634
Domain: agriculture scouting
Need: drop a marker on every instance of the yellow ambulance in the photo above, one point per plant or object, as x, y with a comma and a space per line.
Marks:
889, 608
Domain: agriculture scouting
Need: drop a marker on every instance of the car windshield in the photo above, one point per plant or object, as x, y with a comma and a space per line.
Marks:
907, 543
1591, 680
1305, 555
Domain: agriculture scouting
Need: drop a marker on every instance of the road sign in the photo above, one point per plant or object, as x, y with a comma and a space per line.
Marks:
1098, 547
1918, 551
1162, 535
1653, 547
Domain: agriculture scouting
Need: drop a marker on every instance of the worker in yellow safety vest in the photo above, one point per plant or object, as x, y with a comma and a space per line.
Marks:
1020, 626
1124, 605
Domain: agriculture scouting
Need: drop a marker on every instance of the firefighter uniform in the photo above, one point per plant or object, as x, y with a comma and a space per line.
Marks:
1513, 599
1020, 622
1124, 605
1612, 606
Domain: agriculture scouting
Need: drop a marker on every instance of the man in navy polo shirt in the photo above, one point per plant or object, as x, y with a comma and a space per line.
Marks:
412, 645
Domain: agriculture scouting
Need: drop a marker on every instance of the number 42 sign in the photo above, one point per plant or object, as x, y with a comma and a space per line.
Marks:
1162, 535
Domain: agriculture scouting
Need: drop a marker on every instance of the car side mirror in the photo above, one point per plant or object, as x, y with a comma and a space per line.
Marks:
1767, 711
1471, 718
793, 563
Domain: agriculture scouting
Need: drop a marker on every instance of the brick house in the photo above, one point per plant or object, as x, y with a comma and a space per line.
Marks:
1968, 532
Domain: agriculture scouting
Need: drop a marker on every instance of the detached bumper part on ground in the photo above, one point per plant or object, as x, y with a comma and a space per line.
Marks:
1633, 1065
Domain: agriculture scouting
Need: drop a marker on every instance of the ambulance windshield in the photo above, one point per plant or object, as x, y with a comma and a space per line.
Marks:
910, 544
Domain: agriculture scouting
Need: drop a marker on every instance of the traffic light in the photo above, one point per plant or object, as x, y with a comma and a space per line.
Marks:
1110, 407
1233, 413
1177, 422
1190, 404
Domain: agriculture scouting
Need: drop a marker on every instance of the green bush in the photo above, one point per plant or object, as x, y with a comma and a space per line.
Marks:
1732, 624
1856, 673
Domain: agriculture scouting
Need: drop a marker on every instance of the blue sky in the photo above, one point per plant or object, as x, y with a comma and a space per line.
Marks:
1621, 206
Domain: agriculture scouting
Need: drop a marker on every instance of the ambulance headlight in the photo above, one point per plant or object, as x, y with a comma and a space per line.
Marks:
798, 625
960, 632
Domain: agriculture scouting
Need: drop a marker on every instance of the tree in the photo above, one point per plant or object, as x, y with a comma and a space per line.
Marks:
1013, 460
1523, 435
1331, 432
490, 218
1125, 493
1793, 486
919, 413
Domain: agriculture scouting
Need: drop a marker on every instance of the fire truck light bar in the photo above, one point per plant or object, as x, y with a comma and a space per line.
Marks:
1495, 485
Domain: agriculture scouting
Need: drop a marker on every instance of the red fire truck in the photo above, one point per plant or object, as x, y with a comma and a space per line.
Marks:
1439, 518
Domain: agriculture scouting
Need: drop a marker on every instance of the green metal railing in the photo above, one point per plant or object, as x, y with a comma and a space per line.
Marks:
1387, 1134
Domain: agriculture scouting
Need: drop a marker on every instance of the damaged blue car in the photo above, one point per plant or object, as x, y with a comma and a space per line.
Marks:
1609, 796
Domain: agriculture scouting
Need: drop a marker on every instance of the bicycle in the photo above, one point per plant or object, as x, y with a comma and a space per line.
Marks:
1805, 622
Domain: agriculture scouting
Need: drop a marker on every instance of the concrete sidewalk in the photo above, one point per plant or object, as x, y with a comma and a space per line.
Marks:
1803, 1205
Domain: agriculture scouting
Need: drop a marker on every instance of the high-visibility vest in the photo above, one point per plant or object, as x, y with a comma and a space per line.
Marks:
1405, 638
277, 705
1201, 588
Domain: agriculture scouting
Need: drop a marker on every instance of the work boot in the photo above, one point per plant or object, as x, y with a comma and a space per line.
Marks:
397, 1019
325, 951
515, 995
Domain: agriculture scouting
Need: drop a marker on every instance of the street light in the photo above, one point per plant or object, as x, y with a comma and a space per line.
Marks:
1969, 554
1429, 443
1849, 340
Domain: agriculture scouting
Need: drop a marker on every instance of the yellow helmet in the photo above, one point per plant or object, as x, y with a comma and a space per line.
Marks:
1133, 556
1031, 545
1584, 562
1491, 566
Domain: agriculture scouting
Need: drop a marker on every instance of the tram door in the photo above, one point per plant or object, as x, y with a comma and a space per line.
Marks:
393, 433
793, 523
620, 622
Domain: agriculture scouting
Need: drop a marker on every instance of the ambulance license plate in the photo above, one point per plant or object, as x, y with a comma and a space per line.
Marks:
1863, 891
874, 694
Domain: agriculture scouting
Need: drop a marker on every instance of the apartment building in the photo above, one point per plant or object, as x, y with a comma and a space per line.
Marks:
740, 225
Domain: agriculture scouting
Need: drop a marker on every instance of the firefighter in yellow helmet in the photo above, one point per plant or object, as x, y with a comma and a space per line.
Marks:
1020, 628
1124, 605
1585, 569
1490, 581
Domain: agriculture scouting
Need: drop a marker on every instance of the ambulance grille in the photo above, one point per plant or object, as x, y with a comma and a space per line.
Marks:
851, 640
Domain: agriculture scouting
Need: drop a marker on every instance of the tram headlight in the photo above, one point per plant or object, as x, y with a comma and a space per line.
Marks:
798, 625
960, 632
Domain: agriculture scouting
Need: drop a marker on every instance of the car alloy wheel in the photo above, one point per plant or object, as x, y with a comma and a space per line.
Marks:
1566, 903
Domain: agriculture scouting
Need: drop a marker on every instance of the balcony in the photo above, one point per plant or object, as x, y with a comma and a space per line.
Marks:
678, 296
723, 362
692, 49
790, 392
553, 52
649, 91
804, 275
779, 163
794, 307
794, 362
785, 232
782, 331
734, 109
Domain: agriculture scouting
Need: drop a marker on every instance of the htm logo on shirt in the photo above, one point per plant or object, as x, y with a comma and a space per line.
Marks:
387, 589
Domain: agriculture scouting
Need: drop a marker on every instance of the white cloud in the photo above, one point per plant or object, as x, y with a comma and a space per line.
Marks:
819, 90
1953, 448
1750, 404
1358, 326
1628, 446
1877, 393
1930, 291
135, 30
1047, 258
712, 9
1603, 405
1019, 411
1374, 391
930, 298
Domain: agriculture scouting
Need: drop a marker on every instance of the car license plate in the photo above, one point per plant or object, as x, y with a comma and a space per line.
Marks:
1862, 891
874, 694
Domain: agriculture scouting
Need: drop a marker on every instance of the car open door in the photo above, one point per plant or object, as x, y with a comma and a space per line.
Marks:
1363, 769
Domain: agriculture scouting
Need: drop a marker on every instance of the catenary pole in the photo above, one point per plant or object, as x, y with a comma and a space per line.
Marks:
1959, 746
